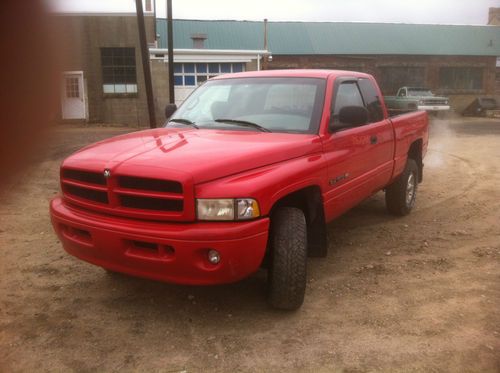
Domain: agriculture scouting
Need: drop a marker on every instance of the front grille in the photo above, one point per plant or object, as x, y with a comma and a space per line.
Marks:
87, 194
133, 196
131, 182
147, 203
435, 102
84, 176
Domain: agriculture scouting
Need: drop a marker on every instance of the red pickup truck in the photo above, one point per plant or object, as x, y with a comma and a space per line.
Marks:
245, 174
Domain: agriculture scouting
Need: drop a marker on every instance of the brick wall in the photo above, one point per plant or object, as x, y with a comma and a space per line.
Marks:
429, 66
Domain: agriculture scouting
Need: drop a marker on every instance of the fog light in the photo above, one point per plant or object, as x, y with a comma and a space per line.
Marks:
213, 256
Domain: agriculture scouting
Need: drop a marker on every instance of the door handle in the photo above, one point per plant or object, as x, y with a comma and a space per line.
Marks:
373, 139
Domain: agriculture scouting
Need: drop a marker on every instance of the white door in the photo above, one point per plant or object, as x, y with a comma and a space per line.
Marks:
73, 96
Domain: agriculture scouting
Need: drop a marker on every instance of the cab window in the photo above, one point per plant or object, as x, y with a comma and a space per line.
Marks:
372, 100
348, 94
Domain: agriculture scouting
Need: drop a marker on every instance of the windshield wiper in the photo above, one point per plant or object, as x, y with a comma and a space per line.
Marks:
243, 123
187, 122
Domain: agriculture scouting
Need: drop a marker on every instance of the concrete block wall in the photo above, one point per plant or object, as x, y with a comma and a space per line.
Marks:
84, 36
159, 73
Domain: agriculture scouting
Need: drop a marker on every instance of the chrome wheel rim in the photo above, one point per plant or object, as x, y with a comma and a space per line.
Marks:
410, 189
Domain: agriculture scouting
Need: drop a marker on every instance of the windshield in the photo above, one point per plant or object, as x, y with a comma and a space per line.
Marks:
419, 92
290, 105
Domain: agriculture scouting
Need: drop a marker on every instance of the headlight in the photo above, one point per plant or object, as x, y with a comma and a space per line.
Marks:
247, 209
227, 209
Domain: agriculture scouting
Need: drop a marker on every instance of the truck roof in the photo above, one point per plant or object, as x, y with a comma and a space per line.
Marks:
293, 73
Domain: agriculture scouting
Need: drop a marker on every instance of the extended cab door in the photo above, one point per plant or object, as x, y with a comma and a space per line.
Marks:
360, 159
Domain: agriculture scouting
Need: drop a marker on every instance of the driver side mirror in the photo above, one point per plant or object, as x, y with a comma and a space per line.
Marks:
169, 110
350, 116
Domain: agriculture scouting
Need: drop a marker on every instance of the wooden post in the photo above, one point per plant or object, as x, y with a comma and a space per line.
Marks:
265, 56
145, 63
170, 39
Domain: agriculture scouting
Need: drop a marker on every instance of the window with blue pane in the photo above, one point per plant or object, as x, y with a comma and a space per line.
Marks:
189, 80
178, 80
237, 67
192, 74
178, 68
201, 68
213, 68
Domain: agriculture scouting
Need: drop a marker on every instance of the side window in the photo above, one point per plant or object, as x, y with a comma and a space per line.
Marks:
372, 100
347, 95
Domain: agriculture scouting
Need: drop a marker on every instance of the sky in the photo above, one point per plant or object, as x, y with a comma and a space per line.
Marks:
470, 12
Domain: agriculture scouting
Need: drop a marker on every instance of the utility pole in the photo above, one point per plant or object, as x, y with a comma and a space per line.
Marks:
145, 63
154, 24
265, 56
170, 32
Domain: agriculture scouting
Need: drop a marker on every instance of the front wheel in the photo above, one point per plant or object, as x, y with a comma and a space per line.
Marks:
400, 195
287, 272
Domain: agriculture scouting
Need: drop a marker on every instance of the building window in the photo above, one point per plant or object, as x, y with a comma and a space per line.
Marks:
192, 74
394, 77
462, 78
118, 70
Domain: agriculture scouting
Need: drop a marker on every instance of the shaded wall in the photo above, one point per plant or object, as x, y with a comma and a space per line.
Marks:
84, 35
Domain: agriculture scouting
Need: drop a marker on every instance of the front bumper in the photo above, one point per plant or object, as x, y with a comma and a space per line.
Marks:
434, 107
171, 252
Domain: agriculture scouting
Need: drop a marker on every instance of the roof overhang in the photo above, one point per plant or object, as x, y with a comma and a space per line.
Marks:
208, 55
99, 14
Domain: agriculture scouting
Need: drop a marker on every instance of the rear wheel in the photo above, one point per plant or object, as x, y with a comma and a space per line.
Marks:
287, 272
400, 196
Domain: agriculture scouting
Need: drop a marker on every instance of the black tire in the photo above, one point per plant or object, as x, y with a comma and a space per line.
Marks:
401, 194
287, 271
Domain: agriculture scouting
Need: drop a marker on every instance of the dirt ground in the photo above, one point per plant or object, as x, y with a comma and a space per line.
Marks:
419, 293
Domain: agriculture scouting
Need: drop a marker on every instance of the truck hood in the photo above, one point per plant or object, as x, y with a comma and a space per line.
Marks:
203, 154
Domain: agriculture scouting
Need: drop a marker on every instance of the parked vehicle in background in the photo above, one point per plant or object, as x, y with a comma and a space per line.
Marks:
483, 107
245, 174
416, 98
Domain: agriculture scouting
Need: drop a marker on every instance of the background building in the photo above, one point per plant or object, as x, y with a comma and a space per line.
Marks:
455, 60
102, 78
103, 81
494, 19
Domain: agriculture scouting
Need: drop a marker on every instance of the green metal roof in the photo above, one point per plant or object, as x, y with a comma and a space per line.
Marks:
341, 38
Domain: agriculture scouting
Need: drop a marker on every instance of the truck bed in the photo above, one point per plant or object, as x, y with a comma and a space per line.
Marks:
407, 127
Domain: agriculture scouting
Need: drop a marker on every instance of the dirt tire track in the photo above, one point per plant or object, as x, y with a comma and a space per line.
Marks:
418, 293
